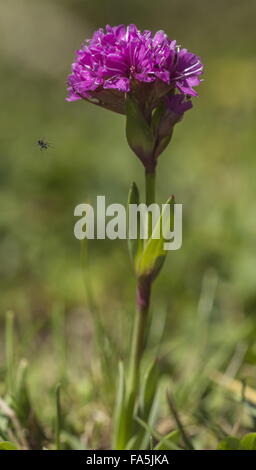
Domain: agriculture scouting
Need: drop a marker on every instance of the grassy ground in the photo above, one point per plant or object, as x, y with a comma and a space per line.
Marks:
204, 301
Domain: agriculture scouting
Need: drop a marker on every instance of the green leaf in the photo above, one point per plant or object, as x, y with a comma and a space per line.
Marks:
134, 245
22, 403
169, 444
173, 438
119, 431
148, 388
133, 443
154, 254
229, 443
139, 134
151, 416
248, 442
7, 445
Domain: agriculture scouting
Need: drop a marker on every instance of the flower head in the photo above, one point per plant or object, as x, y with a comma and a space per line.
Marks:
122, 61
119, 59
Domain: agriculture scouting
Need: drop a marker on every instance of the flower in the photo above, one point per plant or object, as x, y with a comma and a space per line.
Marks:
145, 76
123, 59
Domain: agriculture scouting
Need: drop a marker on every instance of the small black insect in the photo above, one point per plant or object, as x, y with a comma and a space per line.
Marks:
43, 145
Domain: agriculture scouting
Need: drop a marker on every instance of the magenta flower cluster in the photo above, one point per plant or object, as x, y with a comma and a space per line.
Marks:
114, 61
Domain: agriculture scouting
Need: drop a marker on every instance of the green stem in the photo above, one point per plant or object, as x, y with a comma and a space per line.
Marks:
139, 330
140, 321
150, 179
150, 197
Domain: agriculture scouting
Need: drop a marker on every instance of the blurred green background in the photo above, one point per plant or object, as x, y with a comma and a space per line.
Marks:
210, 166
